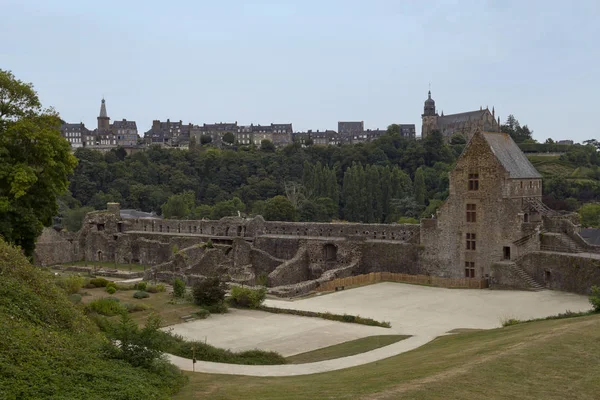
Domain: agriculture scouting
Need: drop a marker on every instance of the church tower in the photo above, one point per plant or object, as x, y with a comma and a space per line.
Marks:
429, 117
103, 120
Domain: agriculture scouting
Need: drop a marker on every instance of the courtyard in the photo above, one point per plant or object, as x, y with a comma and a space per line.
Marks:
420, 311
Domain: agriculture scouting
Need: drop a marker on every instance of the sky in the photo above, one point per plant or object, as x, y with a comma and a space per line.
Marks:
311, 63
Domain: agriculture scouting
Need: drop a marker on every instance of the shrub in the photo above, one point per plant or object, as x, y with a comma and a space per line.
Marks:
71, 284
248, 298
75, 298
108, 306
175, 249
131, 307
327, 315
219, 308
202, 313
99, 282
178, 288
595, 298
140, 295
111, 289
89, 286
209, 244
111, 284
262, 279
156, 288
209, 291
141, 286
125, 286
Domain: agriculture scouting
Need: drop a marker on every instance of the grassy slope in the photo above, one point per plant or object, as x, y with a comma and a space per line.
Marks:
346, 349
50, 350
557, 359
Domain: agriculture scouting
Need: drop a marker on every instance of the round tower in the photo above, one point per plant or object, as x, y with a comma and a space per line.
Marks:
429, 117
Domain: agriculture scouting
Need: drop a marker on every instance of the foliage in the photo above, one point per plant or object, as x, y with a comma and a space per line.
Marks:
111, 289
99, 282
73, 218
408, 220
333, 317
515, 130
246, 297
217, 308
141, 286
35, 162
75, 298
141, 295
50, 350
107, 306
175, 344
279, 208
209, 244
209, 291
590, 215
71, 283
179, 206
228, 138
202, 313
595, 298
178, 288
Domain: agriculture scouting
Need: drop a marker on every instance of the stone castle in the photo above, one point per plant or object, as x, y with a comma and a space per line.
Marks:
493, 226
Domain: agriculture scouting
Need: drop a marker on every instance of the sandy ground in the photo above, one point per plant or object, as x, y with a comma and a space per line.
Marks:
421, 311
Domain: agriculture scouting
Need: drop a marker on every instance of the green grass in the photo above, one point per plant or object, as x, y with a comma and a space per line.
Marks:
108, 265
345, 349
551, 360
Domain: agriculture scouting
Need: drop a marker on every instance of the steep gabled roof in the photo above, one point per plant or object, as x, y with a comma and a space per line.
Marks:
510, 156
461, 117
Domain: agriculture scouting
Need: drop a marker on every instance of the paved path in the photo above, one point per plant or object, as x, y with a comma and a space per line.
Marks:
421, 311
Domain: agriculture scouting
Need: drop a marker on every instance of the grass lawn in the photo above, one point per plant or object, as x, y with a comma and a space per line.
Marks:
346, 349
158, 302
551, 360
108, 265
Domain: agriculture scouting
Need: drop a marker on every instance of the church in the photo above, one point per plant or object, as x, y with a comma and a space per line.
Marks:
464, 124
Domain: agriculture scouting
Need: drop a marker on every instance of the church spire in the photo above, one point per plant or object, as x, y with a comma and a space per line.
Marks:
103, 109
103, 120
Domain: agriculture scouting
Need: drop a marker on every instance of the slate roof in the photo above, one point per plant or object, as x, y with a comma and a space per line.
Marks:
460, 117
510, 156
124, 124
591, 235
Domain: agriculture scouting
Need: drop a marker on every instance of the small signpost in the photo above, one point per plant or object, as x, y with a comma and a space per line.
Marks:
193, 358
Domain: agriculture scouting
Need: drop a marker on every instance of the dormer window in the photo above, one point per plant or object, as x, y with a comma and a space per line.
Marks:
473, 181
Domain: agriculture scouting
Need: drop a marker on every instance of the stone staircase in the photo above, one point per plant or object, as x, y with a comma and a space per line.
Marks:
533, 284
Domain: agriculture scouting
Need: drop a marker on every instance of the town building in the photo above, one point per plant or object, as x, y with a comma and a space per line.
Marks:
168, 133
464, 124
75, 134
126, 132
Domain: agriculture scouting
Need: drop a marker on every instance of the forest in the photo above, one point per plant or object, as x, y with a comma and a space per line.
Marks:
388, 180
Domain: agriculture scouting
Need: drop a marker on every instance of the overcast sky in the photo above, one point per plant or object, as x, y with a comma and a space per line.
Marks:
311, 63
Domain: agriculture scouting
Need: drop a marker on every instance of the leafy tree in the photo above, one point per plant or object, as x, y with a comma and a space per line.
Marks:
519, 133
209, 291
178, 288
419, 185
590, 215
279, 208
73, 219
457, 139
229, 138
35, 163
227, 208
432, 208
179, 206
201, 212
267, 145
205, 139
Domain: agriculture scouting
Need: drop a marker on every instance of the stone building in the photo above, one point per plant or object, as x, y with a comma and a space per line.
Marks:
168, 133
464, 124
75, 134
126, 132
349, 129
492, 210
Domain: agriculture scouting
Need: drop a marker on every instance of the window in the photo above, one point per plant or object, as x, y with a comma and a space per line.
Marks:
530, 184
471, 241
469, 269
471, 213
473, 181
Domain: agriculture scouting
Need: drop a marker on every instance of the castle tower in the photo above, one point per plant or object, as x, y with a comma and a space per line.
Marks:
103, 120
429, 117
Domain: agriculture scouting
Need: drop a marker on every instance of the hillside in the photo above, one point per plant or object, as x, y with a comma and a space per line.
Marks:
551, 360
50, 350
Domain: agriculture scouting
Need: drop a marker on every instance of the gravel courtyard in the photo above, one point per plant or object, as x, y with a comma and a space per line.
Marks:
421, 311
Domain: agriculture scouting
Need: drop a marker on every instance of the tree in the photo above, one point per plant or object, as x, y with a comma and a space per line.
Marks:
457, 138
419, 185
279, 208
229, 138
515, 130
209, 291
74, 218
35, 163
590, 215
179, 206
205, 139
267, 145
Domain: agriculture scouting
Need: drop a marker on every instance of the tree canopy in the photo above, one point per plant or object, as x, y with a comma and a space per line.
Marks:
35, 163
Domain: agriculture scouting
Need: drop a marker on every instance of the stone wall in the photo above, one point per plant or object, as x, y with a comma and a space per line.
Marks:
53, 247
562, 271
390, 257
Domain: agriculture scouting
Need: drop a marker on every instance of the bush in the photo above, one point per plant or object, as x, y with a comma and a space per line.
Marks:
71, 284
135, 307
141, 286
219, 308
75, 298
262, 280
209, 291
209, 244
595, 298
202, 313
246, 297
111, 289
327, 315
108, 306
89, 286
99, 282
125, 286
178, 288
156, 288
140, 295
